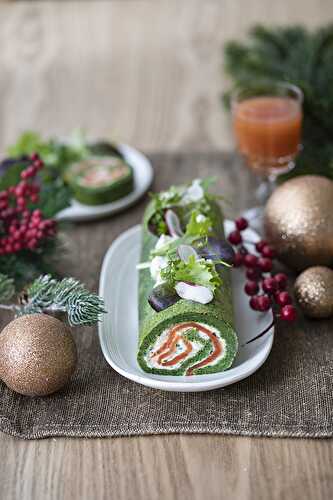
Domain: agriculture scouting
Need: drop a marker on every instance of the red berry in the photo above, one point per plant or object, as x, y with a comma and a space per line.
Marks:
251, 287
20, 190
34, 198
283, 298
24, 174
238, 259
34, 156
37, 213
250, 260
260, 245
32, 244
31, 233
235, 237
20, 202
17, 247
254, 303
33, 224
281, 280
269, 285
268, 251
241, 223
265, 264
17, 235
264, 303
288, 313
30, 171
38, 164
253, 273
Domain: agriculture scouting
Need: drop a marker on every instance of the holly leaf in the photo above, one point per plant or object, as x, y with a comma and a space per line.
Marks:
10, 171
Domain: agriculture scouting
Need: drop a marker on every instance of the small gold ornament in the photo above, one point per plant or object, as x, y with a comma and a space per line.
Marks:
314, 292
37, 355
299, 221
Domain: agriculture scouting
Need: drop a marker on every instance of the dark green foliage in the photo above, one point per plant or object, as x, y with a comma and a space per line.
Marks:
296, 55
7, 288
26, 265
57, 156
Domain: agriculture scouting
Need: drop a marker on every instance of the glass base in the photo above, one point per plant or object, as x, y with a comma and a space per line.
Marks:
270, 166
255, 216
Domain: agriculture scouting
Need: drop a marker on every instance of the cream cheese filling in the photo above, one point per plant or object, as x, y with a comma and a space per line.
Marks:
153, 361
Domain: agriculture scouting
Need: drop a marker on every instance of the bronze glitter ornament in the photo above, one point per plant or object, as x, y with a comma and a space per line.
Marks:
299, 222
314, 292
37, 355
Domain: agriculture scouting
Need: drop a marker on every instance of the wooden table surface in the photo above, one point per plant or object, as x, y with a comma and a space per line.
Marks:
149, 73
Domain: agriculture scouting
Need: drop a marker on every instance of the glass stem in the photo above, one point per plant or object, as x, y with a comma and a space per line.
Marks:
266, 188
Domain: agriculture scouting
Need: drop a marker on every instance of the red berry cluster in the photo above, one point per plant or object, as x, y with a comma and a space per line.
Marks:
259, 275
20, 227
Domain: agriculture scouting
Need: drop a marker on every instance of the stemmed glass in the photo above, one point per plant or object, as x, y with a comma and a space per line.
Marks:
267, 120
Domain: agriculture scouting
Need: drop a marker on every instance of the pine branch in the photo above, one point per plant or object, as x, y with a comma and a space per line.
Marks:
47, 294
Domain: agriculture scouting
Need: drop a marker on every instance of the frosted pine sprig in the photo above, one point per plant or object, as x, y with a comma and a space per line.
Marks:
68, 295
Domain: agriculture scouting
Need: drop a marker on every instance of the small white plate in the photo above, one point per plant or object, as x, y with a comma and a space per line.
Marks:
143, 177
118, 330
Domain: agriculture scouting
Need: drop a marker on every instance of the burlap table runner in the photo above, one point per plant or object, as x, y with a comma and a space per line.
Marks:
291, 395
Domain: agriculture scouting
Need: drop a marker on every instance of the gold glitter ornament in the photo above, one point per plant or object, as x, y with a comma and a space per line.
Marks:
314, 292
37, 355
299, 221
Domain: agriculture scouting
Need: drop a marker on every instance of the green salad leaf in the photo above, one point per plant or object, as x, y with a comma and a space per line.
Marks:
197, 271
177, 196
199, 225
170, 248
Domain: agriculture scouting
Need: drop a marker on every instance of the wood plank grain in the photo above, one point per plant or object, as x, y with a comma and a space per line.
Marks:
147, 73
187, 467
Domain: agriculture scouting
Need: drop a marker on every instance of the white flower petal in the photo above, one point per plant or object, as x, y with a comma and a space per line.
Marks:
197, 293
194, 192
157, 264
200, 218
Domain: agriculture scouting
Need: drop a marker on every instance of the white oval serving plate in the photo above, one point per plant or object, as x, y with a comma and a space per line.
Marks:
118, 330
143, 177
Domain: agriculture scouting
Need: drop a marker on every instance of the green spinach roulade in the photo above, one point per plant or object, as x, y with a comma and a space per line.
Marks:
185, 298
100, 179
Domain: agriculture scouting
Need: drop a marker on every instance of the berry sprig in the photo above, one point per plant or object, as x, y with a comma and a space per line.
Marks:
266, 289
21, 226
